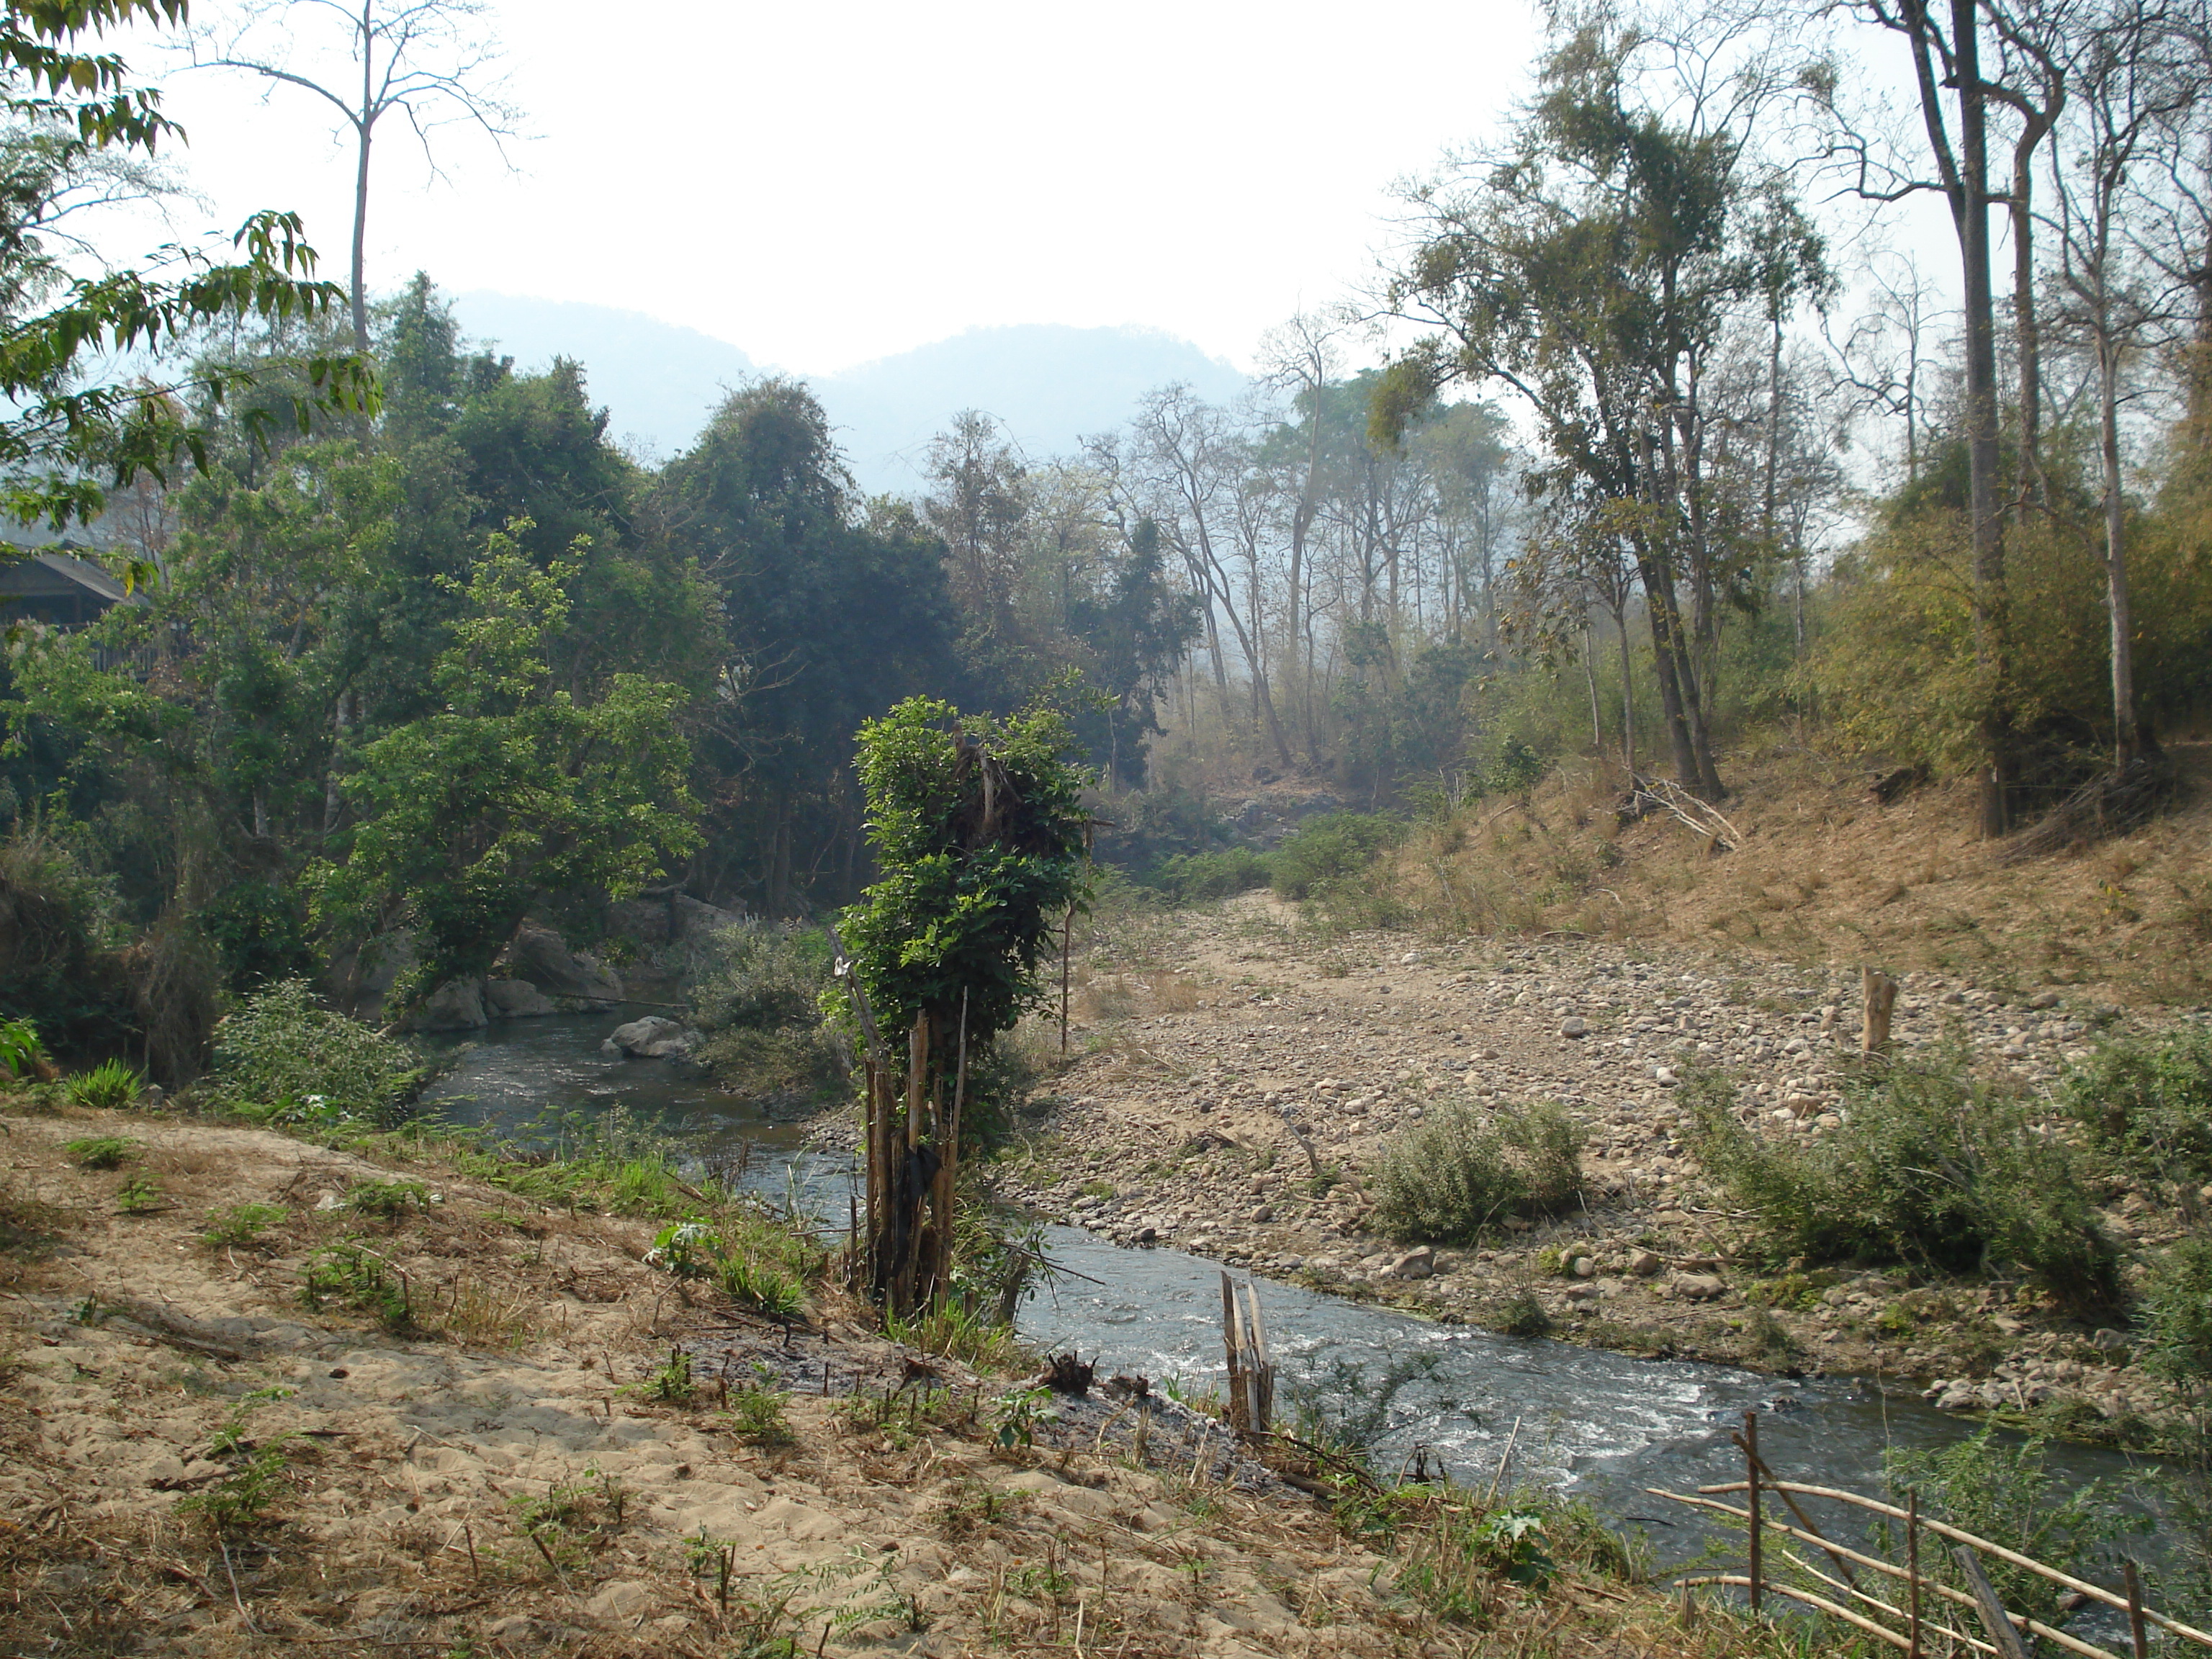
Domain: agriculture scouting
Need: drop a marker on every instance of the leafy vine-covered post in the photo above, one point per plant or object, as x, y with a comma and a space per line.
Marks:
979, 828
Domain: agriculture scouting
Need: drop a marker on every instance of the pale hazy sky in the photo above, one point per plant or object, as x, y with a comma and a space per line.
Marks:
825, 184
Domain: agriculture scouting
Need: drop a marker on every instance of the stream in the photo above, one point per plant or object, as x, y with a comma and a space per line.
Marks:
1602, 1426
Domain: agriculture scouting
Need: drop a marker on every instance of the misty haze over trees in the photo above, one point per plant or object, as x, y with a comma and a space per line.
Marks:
1647, 447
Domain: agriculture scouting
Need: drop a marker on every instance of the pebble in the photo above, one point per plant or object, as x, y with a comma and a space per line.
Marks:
1574, 1026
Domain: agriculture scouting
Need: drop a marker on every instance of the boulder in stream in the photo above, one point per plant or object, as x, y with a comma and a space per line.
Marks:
654, 1037
456, 1006
539, 955
516, 998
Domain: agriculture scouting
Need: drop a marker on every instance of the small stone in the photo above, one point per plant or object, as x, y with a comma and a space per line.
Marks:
2043, 1000
1700, 1287
1644, 1264
1574, 1026
1958, 1399
1664, 1076
1581, 1293
1583, 1268
2109, 1342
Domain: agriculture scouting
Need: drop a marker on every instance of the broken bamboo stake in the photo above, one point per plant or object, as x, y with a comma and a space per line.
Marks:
1878, 1000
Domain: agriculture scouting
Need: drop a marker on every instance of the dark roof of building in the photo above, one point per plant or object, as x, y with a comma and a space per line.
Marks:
55, 575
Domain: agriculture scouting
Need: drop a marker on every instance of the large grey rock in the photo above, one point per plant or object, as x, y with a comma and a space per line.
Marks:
668, 919
516, 998
1415, 1264
456, 1006
538, 954
654, 1037
1700, 1287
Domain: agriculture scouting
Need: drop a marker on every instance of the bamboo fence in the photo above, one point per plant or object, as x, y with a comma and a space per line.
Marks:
1937, 1614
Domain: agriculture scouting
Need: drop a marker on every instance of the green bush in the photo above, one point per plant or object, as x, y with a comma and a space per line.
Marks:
282, 1055
1458, 1172
2150, 1105
1327, 849
102, 1152
1200, 877
757, 997
21, 1053
109, 1086
2174, 1318
1930, 1168
2006, 1492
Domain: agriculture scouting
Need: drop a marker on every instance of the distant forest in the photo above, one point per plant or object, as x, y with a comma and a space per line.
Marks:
1643, 469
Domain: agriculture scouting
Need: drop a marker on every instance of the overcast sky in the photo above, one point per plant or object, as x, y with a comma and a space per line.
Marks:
825, 184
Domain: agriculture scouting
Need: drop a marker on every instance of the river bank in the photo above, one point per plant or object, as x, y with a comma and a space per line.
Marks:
259, 1391
1193, 1032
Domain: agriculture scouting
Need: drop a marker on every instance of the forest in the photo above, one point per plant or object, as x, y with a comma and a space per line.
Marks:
1660, 436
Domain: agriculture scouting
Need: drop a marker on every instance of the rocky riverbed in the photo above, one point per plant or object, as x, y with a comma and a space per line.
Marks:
1207, 1043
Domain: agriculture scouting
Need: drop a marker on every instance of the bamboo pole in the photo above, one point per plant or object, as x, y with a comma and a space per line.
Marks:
2136, 1633
1994, 1618
1834, 1610
1912, 1564
1750, 1443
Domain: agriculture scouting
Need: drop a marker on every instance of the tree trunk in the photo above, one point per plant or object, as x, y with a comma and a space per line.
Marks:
2127, 732
1989, 619
364, 126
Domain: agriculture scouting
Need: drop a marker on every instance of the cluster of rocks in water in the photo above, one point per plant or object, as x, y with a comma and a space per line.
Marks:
538, 973
1185, 1127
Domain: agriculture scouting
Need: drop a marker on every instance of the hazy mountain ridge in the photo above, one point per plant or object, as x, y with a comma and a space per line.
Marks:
1050, 385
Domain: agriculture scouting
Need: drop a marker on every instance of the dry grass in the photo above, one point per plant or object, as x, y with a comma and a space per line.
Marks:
1824, 874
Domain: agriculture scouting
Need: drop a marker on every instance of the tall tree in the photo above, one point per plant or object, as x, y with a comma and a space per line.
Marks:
432, 61
1594, 270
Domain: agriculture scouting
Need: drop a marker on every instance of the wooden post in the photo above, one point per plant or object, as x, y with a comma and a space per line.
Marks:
1879, 994
1912, 1568
948, 1169
1995, 1620
1751, 1479
1689, 1606
1260, 1374
1067, 936
1234, 1348
2136, 1632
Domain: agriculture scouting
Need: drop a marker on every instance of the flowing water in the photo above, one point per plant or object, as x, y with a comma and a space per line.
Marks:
1602, 1425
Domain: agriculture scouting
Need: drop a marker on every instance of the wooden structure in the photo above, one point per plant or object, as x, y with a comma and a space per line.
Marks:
1936, 1618
1251, 1367
57, 589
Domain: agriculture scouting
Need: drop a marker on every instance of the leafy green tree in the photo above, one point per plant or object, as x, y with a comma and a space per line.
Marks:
515, 785
979, 832
66, 431
832, 610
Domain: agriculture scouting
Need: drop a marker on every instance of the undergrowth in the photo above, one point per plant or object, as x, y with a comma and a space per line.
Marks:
1461, 1171
1932, 1168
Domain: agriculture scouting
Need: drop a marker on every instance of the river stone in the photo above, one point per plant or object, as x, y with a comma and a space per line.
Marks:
1700, 1287
1583, 1268
1415, 1264
538, 954
516, 999
456, 1006
1644, 1264
1574, 1026
654, 1037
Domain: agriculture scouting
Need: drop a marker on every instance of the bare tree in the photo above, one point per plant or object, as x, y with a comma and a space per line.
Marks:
2141, 76
433, 61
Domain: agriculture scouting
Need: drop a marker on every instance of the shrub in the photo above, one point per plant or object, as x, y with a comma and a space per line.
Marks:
102, 1152
1929, 1169
241, 1223
2150, 1107
1458, 1173
1198, 878
1327, 849
282, 1055
2175, 1316
109, 1086
21, 1054
758, 996
760, 1285
2007, 1493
